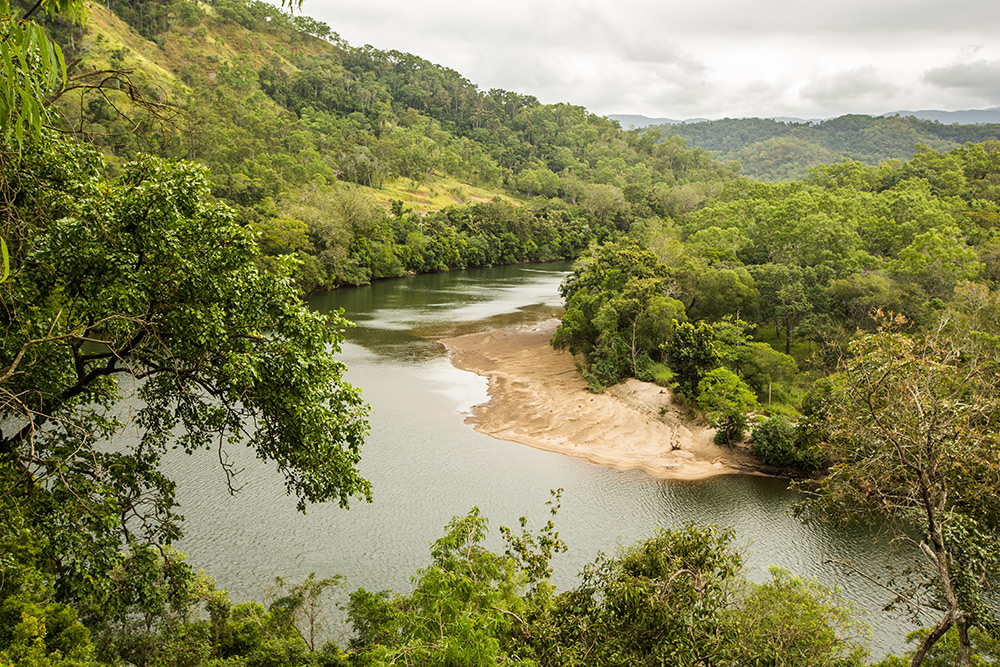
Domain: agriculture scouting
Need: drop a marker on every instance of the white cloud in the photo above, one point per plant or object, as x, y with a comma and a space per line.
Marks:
980, 78
711, 58
860, 84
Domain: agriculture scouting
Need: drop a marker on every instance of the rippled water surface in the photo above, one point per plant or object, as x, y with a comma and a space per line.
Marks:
426, 465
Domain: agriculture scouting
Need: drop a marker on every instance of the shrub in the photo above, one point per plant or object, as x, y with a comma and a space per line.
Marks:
779, 443
774, 441
731, 427
658, 373
727, 399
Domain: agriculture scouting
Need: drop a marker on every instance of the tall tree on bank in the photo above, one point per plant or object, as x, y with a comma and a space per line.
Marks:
142, 288
913, 424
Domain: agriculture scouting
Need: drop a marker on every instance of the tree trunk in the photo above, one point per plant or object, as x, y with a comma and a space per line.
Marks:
931, 497
635, 365
964, 645
935, 634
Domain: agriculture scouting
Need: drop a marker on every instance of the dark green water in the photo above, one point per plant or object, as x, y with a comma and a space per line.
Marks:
427, 465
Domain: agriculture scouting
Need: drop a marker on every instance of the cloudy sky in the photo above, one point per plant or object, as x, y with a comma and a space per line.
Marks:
700, 58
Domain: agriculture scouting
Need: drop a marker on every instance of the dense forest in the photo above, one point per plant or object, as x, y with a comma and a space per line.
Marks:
773, 150
336, 154
175, 175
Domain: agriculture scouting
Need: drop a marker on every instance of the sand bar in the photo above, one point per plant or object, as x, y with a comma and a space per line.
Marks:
538, 398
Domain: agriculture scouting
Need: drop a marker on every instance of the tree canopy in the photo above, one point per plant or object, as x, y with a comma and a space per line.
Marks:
137, 317
912, 428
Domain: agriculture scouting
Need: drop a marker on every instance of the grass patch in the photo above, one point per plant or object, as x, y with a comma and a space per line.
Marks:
660, 374
434, 194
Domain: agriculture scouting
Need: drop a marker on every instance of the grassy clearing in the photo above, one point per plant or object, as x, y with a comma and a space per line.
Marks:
434, 194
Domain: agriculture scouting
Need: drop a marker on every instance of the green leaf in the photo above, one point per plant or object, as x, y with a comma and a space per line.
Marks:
6, 260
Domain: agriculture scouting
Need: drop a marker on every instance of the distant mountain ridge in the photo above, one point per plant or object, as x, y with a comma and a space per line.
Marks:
785, 149
637, 122
964, 117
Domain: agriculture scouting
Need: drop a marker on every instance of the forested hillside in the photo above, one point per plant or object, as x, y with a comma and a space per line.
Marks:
773, 150
335, 152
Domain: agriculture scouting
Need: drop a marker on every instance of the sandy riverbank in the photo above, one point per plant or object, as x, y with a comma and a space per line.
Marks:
538, 398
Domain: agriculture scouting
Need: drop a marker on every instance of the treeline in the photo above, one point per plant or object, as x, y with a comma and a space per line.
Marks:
735, 302
344, 238
773, 150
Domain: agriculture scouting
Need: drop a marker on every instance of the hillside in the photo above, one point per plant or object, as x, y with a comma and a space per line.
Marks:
363, 163
774, 150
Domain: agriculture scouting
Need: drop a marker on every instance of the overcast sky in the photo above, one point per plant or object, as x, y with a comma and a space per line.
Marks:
700, 58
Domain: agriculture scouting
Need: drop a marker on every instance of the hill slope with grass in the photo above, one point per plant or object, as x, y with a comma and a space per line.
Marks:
363, 163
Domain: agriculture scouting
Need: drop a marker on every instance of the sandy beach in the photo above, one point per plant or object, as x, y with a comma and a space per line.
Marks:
538, 398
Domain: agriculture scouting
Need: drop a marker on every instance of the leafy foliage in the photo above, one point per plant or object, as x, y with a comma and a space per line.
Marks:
912, 432
142, 288
780, 443
617, 310
32, 67
727, 399
674, 598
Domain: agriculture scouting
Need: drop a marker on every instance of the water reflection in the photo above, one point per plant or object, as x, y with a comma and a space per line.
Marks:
400, 319
427, 465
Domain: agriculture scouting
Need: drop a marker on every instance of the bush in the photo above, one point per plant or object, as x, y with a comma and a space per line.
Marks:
727, 399
722, 392
774, 441
731, 427
778, 443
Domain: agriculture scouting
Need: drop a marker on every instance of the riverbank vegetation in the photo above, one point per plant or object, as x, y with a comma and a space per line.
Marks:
769, 281
852, 316
176, 285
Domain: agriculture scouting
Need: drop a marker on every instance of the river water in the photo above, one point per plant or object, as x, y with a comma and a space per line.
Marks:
427, 465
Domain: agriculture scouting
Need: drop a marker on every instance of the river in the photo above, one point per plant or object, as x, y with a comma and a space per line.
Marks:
427, 465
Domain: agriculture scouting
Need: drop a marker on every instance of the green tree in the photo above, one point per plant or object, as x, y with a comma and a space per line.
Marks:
678, 598
785, 296
774, 441
721, 391
302, 605
936, 260
465, 605
718, 293
618, 312
141, 287
792, 621
762, 367
727, 399
692, 352
912, 425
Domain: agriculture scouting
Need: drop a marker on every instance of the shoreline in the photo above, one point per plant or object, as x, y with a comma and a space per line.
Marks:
538, 398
